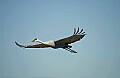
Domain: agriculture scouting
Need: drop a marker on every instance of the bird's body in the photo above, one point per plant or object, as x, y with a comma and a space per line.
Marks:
62, 43
50, 43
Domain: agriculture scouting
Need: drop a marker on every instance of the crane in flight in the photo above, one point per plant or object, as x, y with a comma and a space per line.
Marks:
61, 43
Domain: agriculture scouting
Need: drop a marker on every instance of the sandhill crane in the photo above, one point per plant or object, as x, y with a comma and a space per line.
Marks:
62, 43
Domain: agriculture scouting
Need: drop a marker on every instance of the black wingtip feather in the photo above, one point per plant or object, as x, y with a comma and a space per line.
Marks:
77, 31
81, 30
19, 45
74, 31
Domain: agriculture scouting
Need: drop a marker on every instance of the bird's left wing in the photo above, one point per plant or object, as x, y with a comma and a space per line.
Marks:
75, 37
33, 46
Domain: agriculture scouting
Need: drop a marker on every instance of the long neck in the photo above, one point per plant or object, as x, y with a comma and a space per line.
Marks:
42, 42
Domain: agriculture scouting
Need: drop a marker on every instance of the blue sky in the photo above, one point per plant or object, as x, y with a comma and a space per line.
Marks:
98, 52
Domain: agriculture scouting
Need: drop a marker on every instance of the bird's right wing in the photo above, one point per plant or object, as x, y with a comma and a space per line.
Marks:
78, 35
33, 46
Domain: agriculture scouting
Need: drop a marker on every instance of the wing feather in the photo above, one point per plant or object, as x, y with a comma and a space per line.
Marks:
37, 46
70, 39
33, 46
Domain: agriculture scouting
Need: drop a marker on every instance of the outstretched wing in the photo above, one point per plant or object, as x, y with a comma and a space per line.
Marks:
33, 46
75, 37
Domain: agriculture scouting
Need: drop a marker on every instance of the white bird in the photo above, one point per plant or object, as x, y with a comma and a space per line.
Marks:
62, 43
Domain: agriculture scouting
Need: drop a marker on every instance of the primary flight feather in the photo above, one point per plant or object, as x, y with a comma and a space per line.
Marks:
62, 43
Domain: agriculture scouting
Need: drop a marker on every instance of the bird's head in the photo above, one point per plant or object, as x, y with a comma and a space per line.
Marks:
37, 40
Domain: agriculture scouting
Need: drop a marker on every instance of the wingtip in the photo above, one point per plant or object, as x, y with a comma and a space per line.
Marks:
16, 43
73, 52
19, 45
74, 31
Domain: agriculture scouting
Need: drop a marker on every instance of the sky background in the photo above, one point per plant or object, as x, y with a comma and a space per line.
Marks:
98, 52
